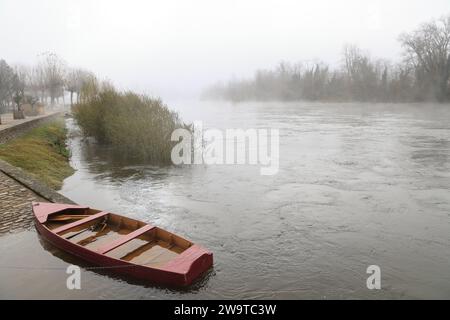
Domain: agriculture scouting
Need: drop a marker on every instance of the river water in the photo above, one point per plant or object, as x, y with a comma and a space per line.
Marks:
358, 185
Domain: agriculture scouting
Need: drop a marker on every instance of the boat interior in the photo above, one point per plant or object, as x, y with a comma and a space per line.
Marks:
117, 236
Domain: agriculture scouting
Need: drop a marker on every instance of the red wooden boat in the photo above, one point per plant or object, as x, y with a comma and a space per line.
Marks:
122, 244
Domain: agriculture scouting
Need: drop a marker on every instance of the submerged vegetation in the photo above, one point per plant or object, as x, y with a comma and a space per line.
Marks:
138, 127
41, 152
423, 75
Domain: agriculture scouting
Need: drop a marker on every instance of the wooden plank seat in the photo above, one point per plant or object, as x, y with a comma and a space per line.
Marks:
68, 217
124, 239
79, 222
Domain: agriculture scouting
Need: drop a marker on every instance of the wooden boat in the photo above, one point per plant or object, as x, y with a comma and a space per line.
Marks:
122, 244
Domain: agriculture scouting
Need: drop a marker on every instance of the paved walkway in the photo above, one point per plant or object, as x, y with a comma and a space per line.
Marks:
15, 207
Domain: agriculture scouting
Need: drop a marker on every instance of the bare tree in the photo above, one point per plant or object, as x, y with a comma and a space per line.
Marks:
6, 85
75, 80
18, 82
361, 72
89, 88
53, 72
33, 84
428, 49
37, 82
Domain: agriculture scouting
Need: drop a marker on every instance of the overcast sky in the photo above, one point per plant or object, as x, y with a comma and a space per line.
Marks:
172, 48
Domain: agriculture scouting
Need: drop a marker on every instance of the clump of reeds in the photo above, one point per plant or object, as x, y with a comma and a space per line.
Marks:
138, 127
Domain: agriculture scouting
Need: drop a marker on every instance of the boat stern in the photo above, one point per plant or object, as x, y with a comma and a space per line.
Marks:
190, 264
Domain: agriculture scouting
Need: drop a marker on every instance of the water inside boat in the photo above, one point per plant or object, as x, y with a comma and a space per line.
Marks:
117, 236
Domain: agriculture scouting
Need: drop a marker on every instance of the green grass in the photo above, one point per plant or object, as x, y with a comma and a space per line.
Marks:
41, 152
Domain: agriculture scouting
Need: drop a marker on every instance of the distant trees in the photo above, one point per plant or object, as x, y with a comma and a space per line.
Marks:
19, 81
423, 75
74, 82
428, 51
359, 79
53, 70
7, 78
46, 82
362, 74
12, 88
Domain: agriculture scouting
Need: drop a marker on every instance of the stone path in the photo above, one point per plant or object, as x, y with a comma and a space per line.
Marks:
15, 209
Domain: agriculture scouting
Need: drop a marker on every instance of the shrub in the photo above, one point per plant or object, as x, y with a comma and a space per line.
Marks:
136, 126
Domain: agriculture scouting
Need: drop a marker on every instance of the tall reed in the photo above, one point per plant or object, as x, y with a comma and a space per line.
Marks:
136, 126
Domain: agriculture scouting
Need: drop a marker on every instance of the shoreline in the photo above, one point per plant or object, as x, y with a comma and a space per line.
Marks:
13, 132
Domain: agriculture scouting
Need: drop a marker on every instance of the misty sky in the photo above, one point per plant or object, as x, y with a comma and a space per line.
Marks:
175, 48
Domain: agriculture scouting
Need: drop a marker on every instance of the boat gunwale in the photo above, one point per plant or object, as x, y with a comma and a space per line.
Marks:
119, 263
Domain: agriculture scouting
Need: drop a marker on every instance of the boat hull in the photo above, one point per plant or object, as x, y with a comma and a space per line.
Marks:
170, 276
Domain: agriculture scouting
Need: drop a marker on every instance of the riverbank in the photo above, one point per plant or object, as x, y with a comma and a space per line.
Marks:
41, 152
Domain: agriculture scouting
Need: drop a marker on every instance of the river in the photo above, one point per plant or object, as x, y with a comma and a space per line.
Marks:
358, 185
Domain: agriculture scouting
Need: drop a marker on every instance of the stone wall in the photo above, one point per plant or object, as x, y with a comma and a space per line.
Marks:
31, 183
15, 131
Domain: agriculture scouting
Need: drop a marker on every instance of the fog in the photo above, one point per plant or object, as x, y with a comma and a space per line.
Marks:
176, 48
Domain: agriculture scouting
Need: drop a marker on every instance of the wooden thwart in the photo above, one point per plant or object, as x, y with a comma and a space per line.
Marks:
124, 239
68, 217
79, 222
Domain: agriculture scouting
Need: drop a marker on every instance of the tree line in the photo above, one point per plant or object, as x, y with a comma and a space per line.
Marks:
423, 74
47, 82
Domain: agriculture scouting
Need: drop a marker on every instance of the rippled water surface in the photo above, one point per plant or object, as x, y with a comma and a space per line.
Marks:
358, 184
